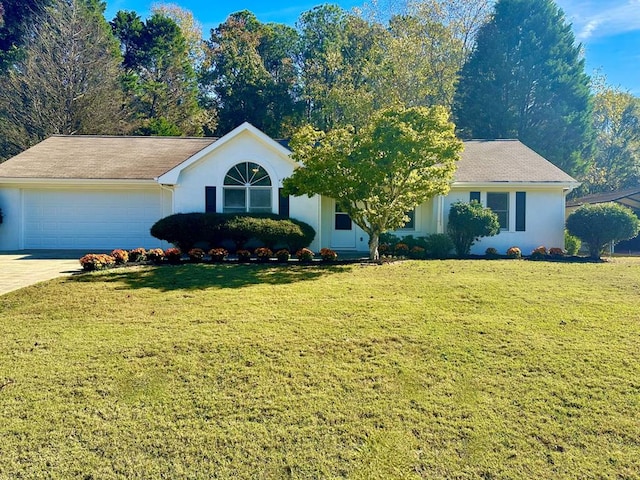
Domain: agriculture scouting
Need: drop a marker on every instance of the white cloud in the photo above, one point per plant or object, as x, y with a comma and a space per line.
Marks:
594, 19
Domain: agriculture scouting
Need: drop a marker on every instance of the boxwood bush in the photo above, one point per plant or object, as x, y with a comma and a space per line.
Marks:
186, 230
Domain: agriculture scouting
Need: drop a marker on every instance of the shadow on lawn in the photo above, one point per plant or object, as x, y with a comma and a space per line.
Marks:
201, 276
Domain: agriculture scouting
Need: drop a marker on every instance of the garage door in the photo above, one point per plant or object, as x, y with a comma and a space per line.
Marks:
93, 220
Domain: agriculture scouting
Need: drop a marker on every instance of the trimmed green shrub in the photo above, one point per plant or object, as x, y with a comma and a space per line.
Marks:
186, 230
601, 224
571, 244
438, 245
468, 222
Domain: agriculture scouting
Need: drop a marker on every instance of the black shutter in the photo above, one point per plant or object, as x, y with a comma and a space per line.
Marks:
474, 196
521, 211
283, 204
210, 199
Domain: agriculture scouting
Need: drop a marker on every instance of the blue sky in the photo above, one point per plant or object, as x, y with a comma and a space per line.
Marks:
609, 30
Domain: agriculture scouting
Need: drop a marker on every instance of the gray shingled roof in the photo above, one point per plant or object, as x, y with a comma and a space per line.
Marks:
146, 158
485, 161
102, 157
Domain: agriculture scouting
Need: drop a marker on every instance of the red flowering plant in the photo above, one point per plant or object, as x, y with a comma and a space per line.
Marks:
155, 255
538, 253
263, 254
97, 261
328, 255
417, 252
121, 256
173, 255
137, 255
401, 249
243, 255
196, 255
283, 255
514, 252
218, 254
304, 255
556, 252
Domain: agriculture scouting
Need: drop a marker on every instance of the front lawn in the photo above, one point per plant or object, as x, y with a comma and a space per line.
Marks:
433, 369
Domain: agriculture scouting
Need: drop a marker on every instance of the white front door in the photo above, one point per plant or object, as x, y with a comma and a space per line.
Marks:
343, 233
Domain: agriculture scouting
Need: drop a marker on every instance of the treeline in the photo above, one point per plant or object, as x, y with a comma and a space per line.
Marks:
509, 69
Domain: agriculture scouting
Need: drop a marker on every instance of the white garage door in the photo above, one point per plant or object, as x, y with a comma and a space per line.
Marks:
94, 220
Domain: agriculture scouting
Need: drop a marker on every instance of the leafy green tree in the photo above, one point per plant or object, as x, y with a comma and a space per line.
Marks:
525, 79
65, 83
16, 20
159, 79
397, 161
601, 224
250, 74
339, 53
616, 160
468, 222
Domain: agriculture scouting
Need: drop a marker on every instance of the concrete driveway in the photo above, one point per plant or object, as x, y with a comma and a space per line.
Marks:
24, 268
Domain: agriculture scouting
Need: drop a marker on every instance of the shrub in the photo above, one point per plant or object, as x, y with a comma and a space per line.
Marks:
602, 224
538, 253
417, 252
173, 255
491, 252
556, 252
218, 254
384, 249
263, 254
283, 255
155, 255
196, 254
571, 243
468, 222
121, 256
97, 261
186, 230
438, 245
304, 255
329, 255
401, 249
243, 255
137, 255
514, 252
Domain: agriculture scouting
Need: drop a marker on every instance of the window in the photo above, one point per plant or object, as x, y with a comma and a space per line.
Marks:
247, 188
499, 203
342, 220
521, 211
411, 224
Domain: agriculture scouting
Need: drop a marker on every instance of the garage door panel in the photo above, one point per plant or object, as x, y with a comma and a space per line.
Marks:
98, 220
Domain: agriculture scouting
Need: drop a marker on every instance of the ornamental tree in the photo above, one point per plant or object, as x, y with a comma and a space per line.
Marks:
597, 225
395, 162
468, 222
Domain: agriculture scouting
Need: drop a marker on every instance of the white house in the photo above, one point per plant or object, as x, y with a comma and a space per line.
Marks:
101, 192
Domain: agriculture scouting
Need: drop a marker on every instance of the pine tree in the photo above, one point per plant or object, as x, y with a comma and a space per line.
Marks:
525, 79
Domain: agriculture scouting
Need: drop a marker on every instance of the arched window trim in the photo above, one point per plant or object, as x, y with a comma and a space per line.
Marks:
247, 188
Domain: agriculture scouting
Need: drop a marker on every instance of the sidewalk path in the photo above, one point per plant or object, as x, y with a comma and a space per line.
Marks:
24, 268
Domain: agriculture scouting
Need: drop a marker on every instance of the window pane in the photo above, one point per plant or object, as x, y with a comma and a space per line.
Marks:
247, 173
411, 224
259, 199
343, 222
499, 203
235, 200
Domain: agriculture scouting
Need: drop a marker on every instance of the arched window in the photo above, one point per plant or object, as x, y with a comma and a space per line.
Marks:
247, 188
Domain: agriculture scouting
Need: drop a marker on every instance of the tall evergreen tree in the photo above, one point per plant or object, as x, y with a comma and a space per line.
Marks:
525, 79
160, 82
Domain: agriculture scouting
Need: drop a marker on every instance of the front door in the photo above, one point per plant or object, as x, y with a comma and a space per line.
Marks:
343, 234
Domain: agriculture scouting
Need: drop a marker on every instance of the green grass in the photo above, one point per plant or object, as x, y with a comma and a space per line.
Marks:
437, 369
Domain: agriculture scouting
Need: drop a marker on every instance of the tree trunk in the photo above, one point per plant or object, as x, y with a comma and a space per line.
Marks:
374, 240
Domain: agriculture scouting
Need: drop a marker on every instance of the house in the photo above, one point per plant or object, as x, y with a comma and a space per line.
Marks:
100, 192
